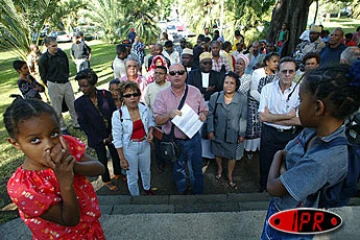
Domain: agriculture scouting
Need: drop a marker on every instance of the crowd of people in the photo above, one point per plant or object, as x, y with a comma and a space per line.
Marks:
253, 99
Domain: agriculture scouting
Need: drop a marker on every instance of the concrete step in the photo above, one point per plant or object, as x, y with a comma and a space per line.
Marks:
183, 199
124, 204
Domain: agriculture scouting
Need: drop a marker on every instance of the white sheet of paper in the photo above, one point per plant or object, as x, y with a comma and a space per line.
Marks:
188, 122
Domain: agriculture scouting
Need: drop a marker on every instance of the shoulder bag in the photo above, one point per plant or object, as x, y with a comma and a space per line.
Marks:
169, 150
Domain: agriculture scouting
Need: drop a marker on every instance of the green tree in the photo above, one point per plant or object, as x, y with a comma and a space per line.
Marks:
144, 15
356, 9
246, 15
66, 15
117, 17
295, 14
21, 21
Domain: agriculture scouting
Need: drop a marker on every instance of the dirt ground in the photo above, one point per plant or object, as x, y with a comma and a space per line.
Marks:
246, 176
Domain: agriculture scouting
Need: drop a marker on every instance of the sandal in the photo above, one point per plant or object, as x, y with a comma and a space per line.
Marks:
233, 185
117, 177
218, 176
111, 186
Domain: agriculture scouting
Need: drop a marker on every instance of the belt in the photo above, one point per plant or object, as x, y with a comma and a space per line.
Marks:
138, 140
280, 130
183, 139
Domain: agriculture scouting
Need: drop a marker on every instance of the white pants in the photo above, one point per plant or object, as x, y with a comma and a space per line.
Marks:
82, 64
138, 156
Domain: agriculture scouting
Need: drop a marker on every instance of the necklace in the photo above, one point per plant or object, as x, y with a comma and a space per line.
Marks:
95, 100
229, 98
268, 71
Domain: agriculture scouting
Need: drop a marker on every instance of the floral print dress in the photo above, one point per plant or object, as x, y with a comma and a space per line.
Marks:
34, 192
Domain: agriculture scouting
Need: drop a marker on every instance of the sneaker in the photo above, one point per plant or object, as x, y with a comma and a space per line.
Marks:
149, 192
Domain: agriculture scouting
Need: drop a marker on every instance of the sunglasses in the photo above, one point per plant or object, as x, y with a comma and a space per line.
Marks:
180, 72
131, 95
291, 71
160, 73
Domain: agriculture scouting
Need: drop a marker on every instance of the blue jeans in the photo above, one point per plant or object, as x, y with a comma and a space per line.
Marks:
138, 156
190, 150
270, 233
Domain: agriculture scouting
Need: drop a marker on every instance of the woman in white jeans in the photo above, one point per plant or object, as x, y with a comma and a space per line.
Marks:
132, 131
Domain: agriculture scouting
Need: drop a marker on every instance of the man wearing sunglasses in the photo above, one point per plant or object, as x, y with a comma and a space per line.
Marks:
278, 112
165, 109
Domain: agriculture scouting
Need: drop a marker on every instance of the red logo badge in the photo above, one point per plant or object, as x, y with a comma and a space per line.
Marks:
305, 221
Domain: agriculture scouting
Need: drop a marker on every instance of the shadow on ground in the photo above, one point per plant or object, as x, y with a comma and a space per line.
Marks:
246, 175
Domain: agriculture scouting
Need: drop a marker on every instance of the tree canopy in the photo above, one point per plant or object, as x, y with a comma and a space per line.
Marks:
19, 21
238, 14
117, 17
22, 20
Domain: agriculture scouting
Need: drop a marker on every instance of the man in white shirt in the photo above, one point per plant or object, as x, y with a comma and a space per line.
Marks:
170, 53
278, 112
119, 61
154, 88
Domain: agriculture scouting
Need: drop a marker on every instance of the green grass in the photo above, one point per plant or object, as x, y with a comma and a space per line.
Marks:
348, 25
10, 158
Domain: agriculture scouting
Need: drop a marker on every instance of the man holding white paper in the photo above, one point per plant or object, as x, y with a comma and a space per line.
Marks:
165, 109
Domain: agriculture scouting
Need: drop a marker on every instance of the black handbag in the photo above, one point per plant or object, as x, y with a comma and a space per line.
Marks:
169, 150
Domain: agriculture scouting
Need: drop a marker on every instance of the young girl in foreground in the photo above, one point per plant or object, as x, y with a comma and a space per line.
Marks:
55, 199
327, 96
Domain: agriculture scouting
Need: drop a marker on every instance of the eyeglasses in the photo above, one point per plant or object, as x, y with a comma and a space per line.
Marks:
131, 95
207, 62
291, 71
180, 72
130, 66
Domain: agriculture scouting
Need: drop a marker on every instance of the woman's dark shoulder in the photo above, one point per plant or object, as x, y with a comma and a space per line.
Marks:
81, 100
104, 93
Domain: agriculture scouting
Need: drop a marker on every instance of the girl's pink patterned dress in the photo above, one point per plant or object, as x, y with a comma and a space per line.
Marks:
34, 192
